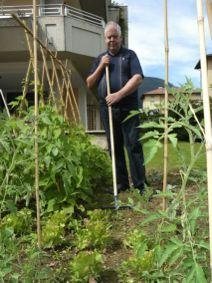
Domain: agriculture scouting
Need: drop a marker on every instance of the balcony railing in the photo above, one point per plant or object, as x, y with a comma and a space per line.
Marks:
52, 10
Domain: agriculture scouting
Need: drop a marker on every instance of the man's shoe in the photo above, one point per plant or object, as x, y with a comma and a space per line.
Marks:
141, 189
122, 187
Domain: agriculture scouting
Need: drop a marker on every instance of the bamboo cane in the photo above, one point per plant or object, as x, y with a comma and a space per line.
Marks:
31, 52
70, 98
26, 82
42, 85
69, 94
207, 117
5, 104
64, 78
48, 75
58, 83
73, 97
65, 86
36, 122
165, 157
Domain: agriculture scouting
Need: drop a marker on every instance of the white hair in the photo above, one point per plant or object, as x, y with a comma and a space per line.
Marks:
114, 25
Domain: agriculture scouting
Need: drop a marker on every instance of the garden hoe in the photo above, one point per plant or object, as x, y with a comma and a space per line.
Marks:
115, 190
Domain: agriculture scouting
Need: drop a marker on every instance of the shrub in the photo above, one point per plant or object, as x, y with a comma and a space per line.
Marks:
68, 162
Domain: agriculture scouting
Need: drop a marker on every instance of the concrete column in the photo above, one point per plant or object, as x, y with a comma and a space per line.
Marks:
82, 100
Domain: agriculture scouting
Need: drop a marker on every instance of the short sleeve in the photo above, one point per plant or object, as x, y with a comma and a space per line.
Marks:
135, 66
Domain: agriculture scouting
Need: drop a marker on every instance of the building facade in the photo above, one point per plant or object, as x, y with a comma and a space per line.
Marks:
209, 71
154, 99
72, 28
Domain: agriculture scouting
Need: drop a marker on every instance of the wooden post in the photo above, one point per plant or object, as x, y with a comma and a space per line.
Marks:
207, 118
36, 121
165, 157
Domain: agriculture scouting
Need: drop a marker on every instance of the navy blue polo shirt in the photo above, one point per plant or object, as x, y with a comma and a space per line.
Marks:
123, 66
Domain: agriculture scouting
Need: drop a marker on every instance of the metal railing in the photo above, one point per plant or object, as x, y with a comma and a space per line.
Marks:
52, 10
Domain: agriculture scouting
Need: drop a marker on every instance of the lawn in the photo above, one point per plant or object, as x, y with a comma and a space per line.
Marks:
174, 160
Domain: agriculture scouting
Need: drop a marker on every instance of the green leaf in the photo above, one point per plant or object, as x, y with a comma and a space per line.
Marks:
55, 151
173, 139
51, 204
151, 125
190, 277
46, 120
167, 253
175, 256
79, 176
57, 133
200, 276
151, 218
154, 145
152, 134
132, 114
204, 245
176, 241
169, 228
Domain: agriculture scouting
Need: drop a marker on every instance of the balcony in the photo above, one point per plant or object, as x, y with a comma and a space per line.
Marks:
67, 29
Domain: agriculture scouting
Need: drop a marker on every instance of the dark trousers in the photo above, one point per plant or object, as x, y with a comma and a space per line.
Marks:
125, 134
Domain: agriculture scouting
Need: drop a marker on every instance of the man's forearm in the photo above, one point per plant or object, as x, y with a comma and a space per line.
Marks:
93, 78
130, 86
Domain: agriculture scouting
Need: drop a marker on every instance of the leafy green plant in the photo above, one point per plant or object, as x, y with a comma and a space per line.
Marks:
86, 265
141, 262
179, 243
20, 222
68, 162
53, 231
93, 232
33, 267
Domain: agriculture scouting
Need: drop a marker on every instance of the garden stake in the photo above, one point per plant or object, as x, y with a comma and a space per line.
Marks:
36, 121
165, 154
207, 118
5, 104
115, 190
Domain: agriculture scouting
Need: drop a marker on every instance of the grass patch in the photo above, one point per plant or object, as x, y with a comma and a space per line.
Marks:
174, 159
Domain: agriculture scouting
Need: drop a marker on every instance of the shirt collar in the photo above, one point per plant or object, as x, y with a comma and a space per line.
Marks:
113, 55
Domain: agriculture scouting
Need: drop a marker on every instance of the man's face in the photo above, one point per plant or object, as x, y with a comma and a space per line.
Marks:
112, 40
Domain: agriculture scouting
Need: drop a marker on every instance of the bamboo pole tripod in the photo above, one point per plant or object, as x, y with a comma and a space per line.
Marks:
56, 74
207, 117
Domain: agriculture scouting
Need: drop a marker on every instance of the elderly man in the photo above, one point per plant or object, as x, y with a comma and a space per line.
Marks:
125, 77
